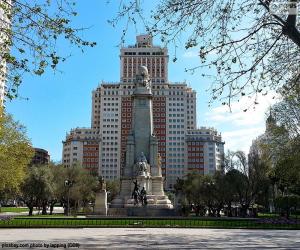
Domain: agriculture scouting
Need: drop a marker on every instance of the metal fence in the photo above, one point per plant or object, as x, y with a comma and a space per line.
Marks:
149, 222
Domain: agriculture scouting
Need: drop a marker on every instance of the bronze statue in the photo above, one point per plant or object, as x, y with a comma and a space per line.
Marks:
143, 196
136, 193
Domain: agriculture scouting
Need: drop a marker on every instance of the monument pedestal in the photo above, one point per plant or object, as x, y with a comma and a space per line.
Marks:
101, 203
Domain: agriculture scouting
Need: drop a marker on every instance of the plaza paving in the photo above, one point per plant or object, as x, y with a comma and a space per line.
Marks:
149, 238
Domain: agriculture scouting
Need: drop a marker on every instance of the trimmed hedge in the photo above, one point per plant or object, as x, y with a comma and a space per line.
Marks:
28, 222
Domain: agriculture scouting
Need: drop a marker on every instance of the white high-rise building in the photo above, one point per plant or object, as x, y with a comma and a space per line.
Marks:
144, 53
82, 146
174, 112
205, 150
5, 7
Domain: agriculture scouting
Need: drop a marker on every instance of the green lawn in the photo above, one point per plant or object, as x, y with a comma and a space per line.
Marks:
43, 216
57, 222
269, 215
13, 209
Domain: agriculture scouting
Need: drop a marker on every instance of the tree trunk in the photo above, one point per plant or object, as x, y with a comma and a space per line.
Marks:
51, 208
66, 209
30, 210
229, 209
197, 210
44, 208
244, 209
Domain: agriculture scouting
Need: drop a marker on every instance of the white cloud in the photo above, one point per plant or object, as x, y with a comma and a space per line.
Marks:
241, 139
254, 115
191, 54
239, 128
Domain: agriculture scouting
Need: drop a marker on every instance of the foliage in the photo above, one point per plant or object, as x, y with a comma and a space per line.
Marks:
243, 184
287, 112
15, 153
82, 190
112, 188
286, 171
45, 185
252, 47
281, 145
203, 193
30, 32
287, 203
37, 188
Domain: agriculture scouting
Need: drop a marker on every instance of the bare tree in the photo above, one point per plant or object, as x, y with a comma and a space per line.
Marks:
250, 46
29, 34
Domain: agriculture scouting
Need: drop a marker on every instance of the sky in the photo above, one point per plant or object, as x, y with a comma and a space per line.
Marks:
59, 101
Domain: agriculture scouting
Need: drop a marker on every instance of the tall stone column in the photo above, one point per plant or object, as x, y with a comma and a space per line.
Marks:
142, 122
129, 163
142, 157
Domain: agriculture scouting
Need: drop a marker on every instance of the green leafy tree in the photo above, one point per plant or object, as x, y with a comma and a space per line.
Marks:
200, 193
113, 188
224, 193
249, 179
29, 34
286, 171
282, 147
286, 203
37, 189
287, 111
81, 188
15, 153
249, 47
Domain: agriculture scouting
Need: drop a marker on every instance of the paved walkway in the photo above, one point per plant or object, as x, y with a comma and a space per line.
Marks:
149, 238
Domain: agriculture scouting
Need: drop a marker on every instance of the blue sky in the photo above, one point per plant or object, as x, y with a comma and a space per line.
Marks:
59, 101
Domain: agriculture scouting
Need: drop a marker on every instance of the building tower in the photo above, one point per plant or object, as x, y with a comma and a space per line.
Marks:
174, 111
173, 115
5, 11
155, 58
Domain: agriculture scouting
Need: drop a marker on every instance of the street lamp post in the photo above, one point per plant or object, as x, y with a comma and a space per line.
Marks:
68, 184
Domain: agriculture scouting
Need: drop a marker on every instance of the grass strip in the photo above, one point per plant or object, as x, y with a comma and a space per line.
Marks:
13, 209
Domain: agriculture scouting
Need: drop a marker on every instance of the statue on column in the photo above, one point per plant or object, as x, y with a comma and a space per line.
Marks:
143, 78
102, 183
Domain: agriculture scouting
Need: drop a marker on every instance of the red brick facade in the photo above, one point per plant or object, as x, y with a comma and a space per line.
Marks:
126, 120
90, 159
159, 120
195, 157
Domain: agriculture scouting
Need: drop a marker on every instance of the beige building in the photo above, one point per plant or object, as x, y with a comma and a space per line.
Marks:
144, 53
205, 150
82, 146
174, 114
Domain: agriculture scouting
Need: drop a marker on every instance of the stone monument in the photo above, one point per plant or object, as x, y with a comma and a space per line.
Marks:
142, 170
101, 199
